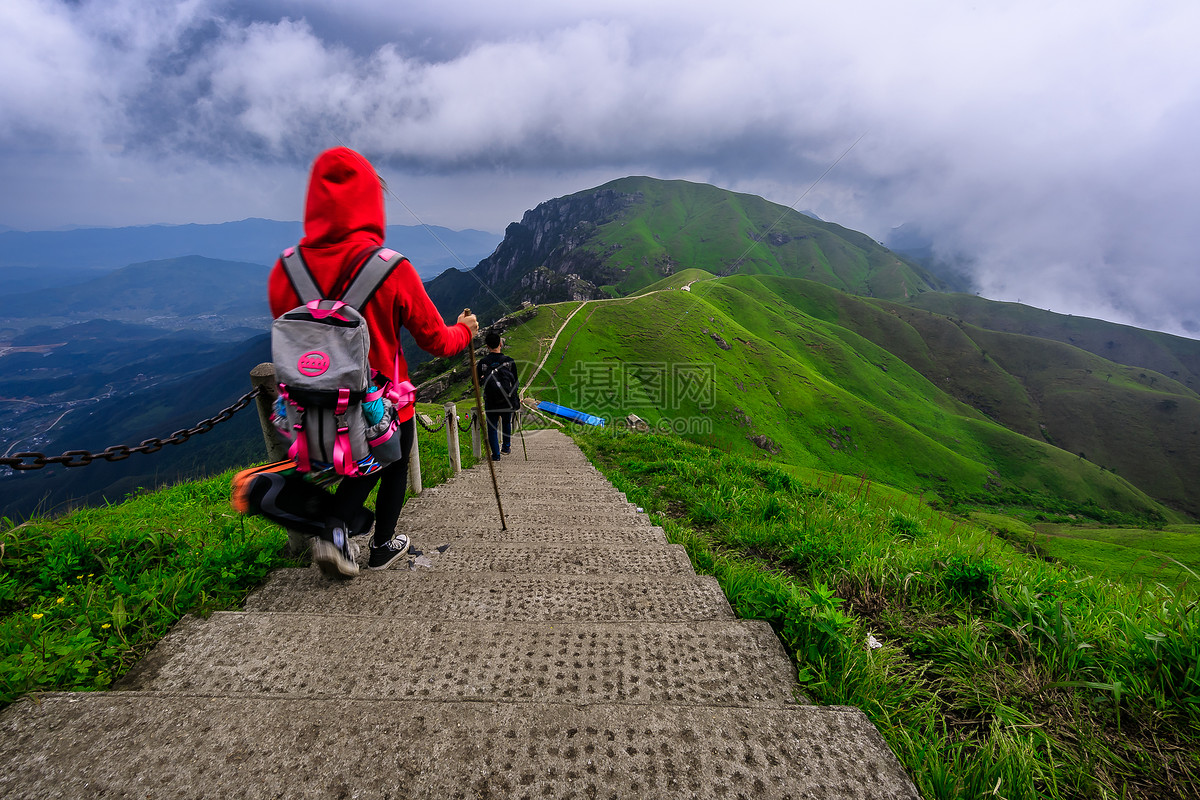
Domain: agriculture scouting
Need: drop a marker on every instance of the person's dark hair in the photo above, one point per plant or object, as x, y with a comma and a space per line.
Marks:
492, 340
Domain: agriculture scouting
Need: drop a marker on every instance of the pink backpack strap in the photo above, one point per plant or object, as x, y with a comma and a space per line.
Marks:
298, 452
343, 456
314, 308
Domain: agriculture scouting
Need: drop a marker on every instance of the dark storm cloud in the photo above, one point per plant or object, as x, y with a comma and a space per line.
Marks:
1051, 142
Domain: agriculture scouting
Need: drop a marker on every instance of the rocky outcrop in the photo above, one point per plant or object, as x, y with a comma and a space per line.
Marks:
549, 238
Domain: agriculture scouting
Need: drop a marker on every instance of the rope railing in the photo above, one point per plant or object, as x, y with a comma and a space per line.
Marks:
120, 452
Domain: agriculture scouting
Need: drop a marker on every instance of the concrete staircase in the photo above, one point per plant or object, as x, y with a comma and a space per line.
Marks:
575, 654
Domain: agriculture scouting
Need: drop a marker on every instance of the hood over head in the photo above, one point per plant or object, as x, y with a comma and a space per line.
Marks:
345, 201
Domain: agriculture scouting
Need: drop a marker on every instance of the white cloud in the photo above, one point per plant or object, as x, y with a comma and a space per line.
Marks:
1053, 141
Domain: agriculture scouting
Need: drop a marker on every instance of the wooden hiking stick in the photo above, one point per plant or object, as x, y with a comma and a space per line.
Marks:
479, 415
521, 428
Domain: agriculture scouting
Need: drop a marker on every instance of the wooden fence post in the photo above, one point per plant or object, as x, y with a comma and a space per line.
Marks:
452, 438
414, 460
264, 376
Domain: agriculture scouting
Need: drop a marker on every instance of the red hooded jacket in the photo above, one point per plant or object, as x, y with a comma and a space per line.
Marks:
343, 221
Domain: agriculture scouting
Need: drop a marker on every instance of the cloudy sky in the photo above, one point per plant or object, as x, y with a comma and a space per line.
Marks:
1054, 143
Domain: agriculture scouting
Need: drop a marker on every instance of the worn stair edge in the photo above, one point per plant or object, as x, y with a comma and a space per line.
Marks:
498, 597
532, 496
618, 537
138, 745
479, 509
312, 655
482, 475
562, 558
484, 518
547, 502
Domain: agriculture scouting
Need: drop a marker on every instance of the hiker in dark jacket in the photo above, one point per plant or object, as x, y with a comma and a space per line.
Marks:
343, 224
501, 395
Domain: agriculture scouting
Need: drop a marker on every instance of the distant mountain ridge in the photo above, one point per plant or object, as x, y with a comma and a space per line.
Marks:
225, 298
41, 259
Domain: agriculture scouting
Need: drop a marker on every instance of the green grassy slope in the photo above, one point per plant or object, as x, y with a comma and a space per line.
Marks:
1129, 555
1141, 424
683, 225
1173, 356
783, 383
839, 357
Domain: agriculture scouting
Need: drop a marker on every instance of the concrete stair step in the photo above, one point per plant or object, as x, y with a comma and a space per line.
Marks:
708, 663
613, 536
467, 555
543, 483
135, 744
579, 479
483, 503
535, 491
495, 597
472, 516
530, 492
514, 469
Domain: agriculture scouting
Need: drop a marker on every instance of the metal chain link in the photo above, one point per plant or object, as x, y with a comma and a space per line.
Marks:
470, 422
120, 452
431, 428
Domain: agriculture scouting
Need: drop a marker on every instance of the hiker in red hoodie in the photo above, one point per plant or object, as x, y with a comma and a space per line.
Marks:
343, 225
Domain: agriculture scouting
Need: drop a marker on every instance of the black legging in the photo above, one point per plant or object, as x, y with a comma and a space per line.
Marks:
352, 493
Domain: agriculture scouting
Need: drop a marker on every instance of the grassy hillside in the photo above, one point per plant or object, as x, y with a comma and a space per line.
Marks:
758, 367
989, 672
823, 319
1132, 556
681, 225
1130, 420
1142, 425
1173, 356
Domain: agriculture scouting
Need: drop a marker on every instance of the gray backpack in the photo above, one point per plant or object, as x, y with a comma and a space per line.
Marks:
320, 352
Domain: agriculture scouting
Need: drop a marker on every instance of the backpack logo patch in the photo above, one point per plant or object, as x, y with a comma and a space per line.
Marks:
313, 363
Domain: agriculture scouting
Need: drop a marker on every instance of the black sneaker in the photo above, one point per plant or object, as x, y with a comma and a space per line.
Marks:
505, 451
496, 457
384, 555
331, 552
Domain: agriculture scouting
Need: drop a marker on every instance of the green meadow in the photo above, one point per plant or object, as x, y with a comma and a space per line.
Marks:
801, 388
1138, 557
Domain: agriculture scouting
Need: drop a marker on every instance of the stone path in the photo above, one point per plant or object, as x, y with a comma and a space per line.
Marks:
575, 655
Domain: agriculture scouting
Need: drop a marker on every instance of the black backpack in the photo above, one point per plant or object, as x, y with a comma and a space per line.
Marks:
498, 379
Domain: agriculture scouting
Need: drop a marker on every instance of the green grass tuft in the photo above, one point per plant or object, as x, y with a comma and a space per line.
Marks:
996, 672
84, 595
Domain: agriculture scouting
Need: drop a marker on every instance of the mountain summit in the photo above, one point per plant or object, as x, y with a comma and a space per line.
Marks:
618, 238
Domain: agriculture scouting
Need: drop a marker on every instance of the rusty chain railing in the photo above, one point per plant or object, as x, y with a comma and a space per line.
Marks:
431, 428
120, 452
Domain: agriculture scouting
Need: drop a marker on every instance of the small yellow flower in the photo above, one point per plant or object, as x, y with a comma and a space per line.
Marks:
60, 600
106, 626
38, 616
